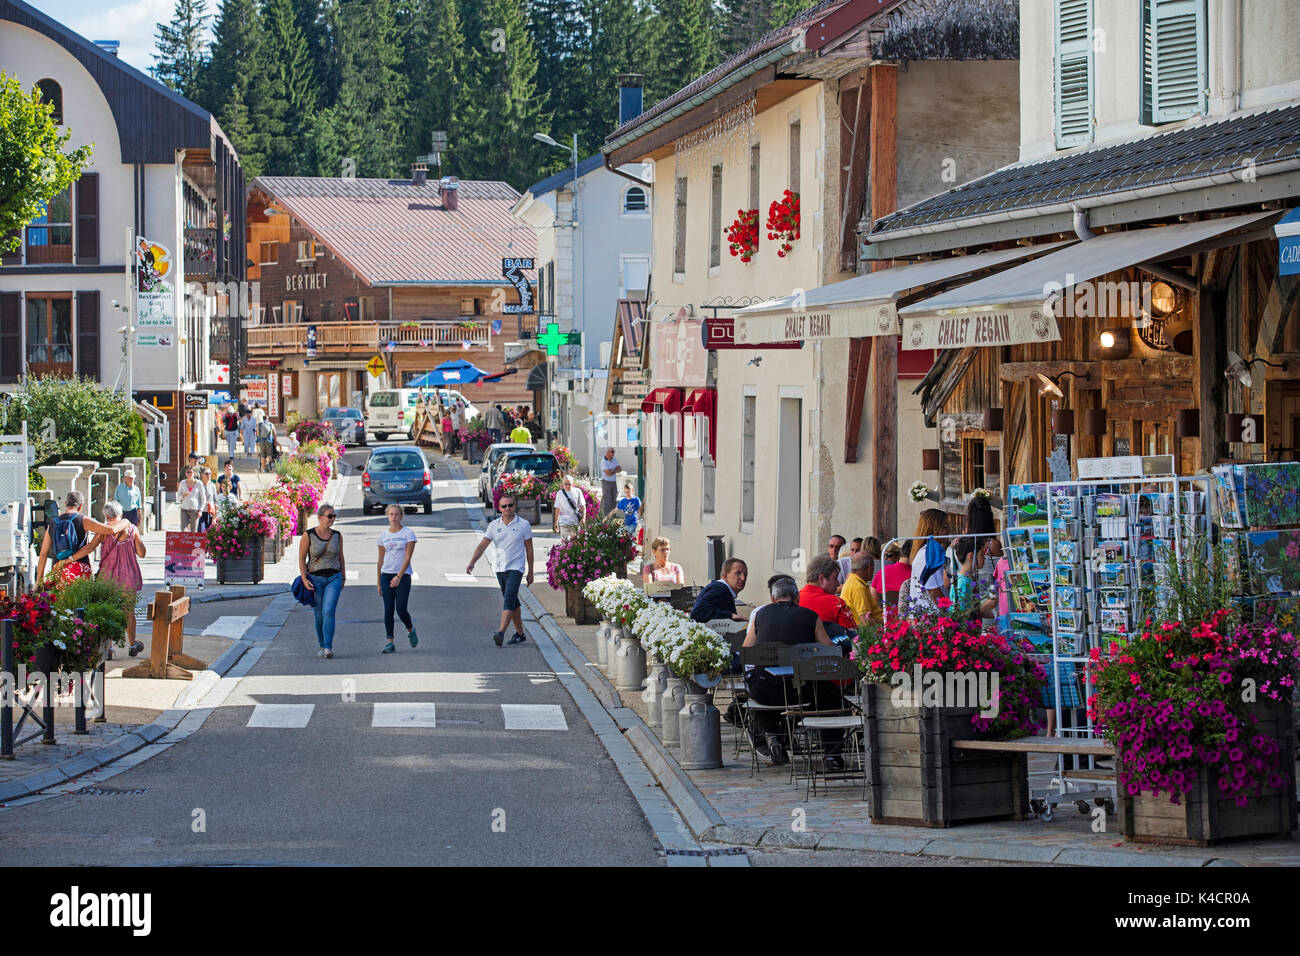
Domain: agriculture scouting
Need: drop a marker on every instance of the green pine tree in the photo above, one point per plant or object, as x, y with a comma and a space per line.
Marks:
283, 93
226, 83
621, 38
180, 47
688, 45
438, 63
558, 31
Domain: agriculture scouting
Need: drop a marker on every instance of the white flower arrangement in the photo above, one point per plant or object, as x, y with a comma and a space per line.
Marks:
659, 628
919, 491
981, 493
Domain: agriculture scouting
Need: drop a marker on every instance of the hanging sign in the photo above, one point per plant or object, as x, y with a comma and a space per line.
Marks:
185, 556
1126, 466
273, 394
1012, 327
195, 401
1288, 243
311, 341
375, 366
513, 269
721, 334
155, 294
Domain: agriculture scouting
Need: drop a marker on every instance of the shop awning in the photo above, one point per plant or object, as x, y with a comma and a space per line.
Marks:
701, 403
1020, 305
537, 377
865, 305
669, 400
669, 431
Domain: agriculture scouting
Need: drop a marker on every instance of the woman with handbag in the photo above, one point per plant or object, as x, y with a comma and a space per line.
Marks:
323, 570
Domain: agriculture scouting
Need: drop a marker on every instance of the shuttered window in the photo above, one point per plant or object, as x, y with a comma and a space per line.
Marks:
88, 334
679, 228
1074, 72
88, 219
1174, 72
11, 337
715, 219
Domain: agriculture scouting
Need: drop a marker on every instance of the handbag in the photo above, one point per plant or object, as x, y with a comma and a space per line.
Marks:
302, 593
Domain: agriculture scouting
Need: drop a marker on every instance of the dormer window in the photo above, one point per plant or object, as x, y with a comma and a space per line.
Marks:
52, 93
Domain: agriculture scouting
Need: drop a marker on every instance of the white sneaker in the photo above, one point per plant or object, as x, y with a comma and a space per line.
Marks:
328, 654
320, 652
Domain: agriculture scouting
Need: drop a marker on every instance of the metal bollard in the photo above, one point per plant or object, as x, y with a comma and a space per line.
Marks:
79, 694
9, 687
102, 700
47, 708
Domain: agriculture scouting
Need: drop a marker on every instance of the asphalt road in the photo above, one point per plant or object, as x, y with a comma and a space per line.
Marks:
471, 789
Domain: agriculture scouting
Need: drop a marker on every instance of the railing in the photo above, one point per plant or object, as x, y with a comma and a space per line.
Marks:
200, 252
529, 324
436, 334
292, 337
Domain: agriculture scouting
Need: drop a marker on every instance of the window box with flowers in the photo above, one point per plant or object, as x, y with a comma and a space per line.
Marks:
742, 235
527, 489
783, 222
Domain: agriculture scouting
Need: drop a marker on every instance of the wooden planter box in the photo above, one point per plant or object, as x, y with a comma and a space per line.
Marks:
529, 508
245, 570
915, 778
1205, 816
579, 608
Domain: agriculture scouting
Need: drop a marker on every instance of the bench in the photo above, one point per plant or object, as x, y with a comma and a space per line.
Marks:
1102, 783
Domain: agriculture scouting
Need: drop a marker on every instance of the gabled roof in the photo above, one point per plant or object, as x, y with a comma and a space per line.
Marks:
393, 232
152, 120
565, 176
1161, 160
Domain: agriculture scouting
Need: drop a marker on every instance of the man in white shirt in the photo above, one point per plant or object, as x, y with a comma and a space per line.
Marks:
609, 469
569, 507
512, 560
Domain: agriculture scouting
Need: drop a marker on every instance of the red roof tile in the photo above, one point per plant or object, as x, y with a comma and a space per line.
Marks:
393, 232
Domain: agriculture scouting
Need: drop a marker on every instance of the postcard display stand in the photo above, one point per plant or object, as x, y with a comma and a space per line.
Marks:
1257, 509
1087, 563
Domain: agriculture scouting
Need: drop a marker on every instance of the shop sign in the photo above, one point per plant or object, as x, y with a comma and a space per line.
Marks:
375, 366
255, 389
311, 341
679, 357
155, 297
793, 328
195, 401
185, 555
1126, 466
273, 394
513, 270
1288, 243
980, 329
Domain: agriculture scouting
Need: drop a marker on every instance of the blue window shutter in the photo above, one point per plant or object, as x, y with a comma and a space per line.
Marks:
1177, 58
1073, 72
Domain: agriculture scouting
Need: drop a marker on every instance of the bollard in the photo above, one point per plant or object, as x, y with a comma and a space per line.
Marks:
654, 692
629, 669
9, 687
79, 694
101, 715
47, 708
602, 648
612, 637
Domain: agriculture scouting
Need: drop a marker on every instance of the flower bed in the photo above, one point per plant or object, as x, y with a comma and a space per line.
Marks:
687, 647
522, 485
600, 546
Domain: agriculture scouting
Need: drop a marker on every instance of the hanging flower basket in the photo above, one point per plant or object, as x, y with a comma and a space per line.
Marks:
742, 234
783, 221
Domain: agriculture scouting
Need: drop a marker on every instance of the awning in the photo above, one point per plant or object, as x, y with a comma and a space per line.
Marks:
537, 377
669, 430
700, 410
1021, 305
865, 305
670, 400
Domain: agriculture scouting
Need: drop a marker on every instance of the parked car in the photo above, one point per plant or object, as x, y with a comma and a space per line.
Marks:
491, 457
397, 475
347, 423
391, 412
540, 463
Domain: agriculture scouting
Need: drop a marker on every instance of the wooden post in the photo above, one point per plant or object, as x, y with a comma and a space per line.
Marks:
167, 611
176, 636
883, 144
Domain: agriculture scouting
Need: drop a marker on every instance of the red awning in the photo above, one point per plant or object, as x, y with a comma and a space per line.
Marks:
701, 410
669, 400
667, 429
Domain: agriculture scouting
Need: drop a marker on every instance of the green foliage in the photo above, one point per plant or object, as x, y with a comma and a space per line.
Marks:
688, 47
284, 92
35, 480
1199, 585
107, 605
181, 47
74, 418
33, 164
227, 82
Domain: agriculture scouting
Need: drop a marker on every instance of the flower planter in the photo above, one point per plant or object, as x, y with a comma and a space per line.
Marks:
245, 570
274, 549
654, 692
1206, 815
47, 658
699, 728
915, 778
612, 637
302, 520
602, 632
579, 608
474, 452
530, 509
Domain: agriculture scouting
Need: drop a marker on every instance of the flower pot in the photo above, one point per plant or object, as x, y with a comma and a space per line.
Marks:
246, 570
699, 729
529, 508
630, 670
612, 637
47, 658
915, 778
1206, 815
302, 520
579, 608
670, 705
654, 692
474, 451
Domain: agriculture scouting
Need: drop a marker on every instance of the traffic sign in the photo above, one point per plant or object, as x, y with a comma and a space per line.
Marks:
553, 338
376, 366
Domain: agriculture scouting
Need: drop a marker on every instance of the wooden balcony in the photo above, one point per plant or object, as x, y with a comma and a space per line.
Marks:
368, 336
437, 334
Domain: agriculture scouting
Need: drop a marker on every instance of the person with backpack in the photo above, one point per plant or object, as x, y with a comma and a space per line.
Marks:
230, 423
119, 556
248, 428
67, 535
266, 443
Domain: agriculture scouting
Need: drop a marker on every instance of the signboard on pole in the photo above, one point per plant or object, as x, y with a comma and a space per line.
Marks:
513, 269
311, 341
273, 394
375, 366
155, 294
185, 558
195, 401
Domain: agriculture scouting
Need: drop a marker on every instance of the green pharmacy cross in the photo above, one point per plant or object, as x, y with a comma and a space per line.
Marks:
553, 338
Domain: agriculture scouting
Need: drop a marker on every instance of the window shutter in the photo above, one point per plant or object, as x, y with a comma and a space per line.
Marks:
88, 334
11, 331
679, 228
88, 219
1074, 72
16, 257
1175, 58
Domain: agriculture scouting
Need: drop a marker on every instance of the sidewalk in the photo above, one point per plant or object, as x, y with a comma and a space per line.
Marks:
729, 806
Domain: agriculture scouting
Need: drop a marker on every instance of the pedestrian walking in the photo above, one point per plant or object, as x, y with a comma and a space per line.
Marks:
259, 413
65, 538
630, 505
193, 499
248, 428
210, 502
119, 554
495, 420
232, 479
512, 560
266, 443
128, 496
396, 545
609, 469
570, 507
230, 424
225, 499
321, 565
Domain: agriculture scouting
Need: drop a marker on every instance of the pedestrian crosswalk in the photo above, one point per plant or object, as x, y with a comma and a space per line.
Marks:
417, 714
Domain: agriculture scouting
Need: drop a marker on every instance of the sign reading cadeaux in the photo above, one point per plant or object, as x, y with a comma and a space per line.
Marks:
185, 556
975, 329
513, 269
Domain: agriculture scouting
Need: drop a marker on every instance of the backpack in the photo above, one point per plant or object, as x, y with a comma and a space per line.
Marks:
67, 538
265, 430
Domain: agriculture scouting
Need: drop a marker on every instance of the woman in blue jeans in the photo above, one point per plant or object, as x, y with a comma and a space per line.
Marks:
320, 562
396, 545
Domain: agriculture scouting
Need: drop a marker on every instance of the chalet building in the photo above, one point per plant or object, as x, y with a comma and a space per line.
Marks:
408, 272
771, 424
1150, 188
160, 165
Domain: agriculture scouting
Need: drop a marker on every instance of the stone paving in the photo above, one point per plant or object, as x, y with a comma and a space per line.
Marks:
34, 757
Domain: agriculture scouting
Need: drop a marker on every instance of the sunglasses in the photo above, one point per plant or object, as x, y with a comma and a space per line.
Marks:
507, 506
330, 516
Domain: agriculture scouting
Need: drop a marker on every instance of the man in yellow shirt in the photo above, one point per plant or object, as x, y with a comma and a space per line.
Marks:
857, 593
521, 435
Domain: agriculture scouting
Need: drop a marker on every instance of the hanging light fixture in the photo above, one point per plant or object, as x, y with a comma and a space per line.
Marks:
1094, 421
1188, 423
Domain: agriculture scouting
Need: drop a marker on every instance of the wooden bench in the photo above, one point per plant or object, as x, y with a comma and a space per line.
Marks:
1041, 745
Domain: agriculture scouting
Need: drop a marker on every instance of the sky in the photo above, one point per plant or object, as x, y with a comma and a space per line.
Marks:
131, 23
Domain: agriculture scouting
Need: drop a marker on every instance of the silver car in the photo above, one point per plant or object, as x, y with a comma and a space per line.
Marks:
347, 424
491, 458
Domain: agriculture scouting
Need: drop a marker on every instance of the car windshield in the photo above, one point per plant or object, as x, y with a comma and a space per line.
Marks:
539, 465
342, 413
397, 461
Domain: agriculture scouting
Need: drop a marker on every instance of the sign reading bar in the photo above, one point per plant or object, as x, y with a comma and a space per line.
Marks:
721, 334
1019, 327
513, 269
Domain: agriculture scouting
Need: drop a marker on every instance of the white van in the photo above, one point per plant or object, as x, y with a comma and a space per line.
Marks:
392, 411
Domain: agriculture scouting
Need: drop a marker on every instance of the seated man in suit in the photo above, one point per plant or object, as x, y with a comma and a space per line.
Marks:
719, 598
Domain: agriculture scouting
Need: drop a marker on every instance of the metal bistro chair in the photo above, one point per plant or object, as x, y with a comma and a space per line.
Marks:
733, 685
762, 655
812, 722
790, 656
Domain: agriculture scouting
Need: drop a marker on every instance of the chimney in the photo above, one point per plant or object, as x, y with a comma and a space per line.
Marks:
108, 46
450, 186
419, 173
629, 96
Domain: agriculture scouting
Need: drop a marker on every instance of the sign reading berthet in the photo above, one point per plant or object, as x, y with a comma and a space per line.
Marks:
513, 269
185, 557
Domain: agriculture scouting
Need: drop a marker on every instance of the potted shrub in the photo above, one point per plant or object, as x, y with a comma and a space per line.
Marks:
33, 615
742, 234
599, 547
528, 491
474, 437
107, 606
783, 221
236, 542
913, 669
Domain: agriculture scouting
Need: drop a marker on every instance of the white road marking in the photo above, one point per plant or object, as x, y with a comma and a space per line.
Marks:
281, 715
534, 717
353, 575
404, 715
459, 577
230, 626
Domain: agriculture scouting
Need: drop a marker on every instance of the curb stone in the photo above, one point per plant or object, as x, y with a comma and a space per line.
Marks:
788, 840
1002, 852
